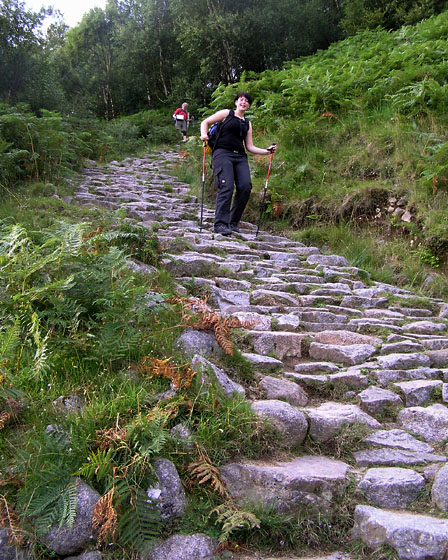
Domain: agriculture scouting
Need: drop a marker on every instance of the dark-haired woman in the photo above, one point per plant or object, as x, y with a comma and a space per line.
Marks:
230, 164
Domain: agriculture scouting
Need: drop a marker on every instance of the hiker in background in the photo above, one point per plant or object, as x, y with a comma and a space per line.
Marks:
230, 165
181, 118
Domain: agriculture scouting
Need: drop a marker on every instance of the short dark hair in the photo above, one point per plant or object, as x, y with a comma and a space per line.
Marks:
245, 94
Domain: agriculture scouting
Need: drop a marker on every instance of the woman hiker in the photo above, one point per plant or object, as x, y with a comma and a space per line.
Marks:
230, 165
181, 118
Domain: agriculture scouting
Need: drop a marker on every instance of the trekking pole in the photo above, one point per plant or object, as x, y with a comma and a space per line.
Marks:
204, 144
264, 194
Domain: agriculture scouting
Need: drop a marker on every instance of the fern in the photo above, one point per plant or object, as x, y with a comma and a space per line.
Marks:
98, 465
141, 522
104, 520
10, 521
9, 341
116, 340
204, 471
55, 503
232, 519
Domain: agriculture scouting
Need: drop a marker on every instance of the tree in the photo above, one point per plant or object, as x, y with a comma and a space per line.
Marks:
359, 15
20, 43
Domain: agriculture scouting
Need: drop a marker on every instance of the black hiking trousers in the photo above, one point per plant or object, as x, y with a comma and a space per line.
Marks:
231, 169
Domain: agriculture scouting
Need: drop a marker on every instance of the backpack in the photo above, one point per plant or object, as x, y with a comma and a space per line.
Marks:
215, 132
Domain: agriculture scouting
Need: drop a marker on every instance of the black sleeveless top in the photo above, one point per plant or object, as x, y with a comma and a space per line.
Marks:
233, 131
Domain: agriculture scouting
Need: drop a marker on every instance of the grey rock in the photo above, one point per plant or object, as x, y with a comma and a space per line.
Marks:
89, 555
425, 327
351, 379
307, 379
224, 298
412, 311
328, 260
232, 284
431, 423
192, 265
325, 317
182, 433
334, 556
313, 368
263, 363
414, 537
192, 342
140, 267
392, 487
11, 552
398, 439
270, 297
329, 418
418, 392
206, 369
70, 540
345, 338
184, 547
386, 376
394, 457
69, 405
401, 347
309, 481
283, 389
58, 434
288, 420
438, 358
348, 355
282, 344
366, 302
288, 322
167, 494
403, 361
374, 400
439, 492
259, 322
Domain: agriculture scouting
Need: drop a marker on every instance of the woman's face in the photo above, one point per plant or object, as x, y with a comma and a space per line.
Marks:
242, 103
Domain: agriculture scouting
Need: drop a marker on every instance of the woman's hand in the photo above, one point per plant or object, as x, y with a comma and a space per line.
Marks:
271, 148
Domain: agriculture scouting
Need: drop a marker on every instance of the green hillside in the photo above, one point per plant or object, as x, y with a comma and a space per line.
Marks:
362, 127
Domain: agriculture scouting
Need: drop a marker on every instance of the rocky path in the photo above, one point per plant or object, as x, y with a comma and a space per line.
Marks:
335, 353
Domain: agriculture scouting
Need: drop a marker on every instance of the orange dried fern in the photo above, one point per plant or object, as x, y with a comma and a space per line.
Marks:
204, 319
4, 418
104, 519
203, 470
10, 521
111, 438
179, 375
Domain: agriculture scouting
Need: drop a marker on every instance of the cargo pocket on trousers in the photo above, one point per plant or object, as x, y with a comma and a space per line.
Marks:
219, 179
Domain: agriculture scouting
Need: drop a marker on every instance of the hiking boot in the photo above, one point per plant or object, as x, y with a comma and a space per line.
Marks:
234, 228
223, 229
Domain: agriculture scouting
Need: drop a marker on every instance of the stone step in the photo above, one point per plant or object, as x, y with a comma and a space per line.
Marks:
413, 536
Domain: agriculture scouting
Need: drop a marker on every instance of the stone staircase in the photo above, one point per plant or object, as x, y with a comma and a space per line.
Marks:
332, 351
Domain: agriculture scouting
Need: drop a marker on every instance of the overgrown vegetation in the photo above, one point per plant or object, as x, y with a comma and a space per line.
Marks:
87, 354
49, 147
360, 167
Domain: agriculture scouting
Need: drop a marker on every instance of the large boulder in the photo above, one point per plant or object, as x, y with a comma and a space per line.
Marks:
311, 482
69, 540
